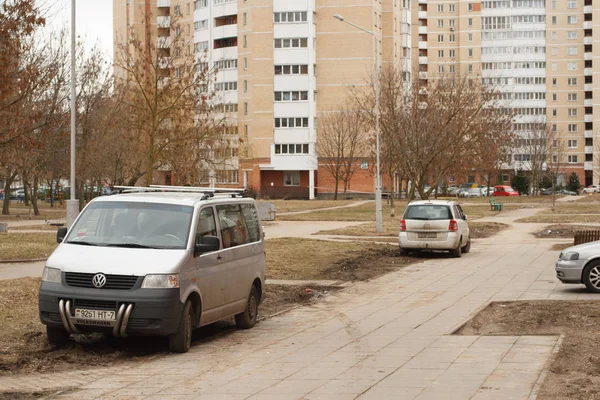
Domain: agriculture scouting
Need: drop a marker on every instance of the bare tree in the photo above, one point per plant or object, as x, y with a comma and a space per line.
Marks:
557, 154
342, 140
530, 150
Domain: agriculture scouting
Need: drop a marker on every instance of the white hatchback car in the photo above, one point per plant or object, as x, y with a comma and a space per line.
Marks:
434, 225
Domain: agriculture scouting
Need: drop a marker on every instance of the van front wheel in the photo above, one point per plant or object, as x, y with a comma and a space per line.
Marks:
181, 341
247, 319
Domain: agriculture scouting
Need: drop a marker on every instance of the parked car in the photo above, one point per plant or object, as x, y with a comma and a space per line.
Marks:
591, 189
155, 263
471, 192
503, 190
580, 264
546, 192
487, 191
434, 225
567, 192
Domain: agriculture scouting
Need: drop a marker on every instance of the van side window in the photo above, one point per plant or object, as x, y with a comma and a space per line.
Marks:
251, 222
206, 224
233, 227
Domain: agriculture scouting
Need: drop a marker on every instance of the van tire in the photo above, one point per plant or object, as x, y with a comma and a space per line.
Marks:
181, 341
57, 336
247, 319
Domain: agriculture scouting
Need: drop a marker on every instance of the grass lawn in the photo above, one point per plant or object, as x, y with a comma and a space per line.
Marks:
20, 211
283, 206
16, 246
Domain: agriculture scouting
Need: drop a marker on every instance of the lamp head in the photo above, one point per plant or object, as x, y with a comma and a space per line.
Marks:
338, 16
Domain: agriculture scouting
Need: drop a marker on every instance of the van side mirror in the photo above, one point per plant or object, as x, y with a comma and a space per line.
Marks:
206, 244
60, 234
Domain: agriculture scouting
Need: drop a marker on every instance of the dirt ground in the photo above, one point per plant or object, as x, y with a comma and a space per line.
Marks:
575, 371
562, 231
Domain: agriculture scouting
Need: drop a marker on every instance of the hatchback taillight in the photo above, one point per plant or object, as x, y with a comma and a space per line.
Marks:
403, 225
453, 227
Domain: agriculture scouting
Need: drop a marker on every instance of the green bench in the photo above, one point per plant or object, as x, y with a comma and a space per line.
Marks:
495, 206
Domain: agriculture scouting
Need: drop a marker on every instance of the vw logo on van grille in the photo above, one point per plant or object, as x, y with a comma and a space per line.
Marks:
99, 280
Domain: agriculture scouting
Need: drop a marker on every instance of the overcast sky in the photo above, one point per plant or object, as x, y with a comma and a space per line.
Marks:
94, 21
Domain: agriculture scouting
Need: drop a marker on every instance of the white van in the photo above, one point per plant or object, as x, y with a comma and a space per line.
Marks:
155, 261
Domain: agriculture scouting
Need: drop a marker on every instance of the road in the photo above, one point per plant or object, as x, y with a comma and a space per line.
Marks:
386, 338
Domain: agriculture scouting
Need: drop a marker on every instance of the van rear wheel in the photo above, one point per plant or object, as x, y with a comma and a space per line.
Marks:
181, 341
57, 336
247, 319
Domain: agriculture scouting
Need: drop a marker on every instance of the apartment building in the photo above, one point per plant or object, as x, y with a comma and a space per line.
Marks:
538, 53
281, 64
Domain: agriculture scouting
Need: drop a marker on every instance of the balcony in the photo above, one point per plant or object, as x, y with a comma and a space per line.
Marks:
163, 62
588, 40
163, 3
422, 74
587, 9
588, 165
588, 118
588, 24
588, 71
587, 56
225, 31
589, 149
423, 45
422, 14
588, 133
422, 60
588, 102
163, 42
422, 30
163, 21
588, 87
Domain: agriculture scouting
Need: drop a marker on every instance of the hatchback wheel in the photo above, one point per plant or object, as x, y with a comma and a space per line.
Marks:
591, 277
457, 252
467, 247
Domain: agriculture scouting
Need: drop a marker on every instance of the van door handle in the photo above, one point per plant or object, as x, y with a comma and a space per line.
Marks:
219, 257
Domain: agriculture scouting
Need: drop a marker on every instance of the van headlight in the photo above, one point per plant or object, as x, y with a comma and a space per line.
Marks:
161, 281
570, 256
51, 275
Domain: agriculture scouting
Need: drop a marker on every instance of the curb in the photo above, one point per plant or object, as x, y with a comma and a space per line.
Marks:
27, 260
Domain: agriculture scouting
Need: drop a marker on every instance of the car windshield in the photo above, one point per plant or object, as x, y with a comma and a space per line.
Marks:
133, 225
428, 212
475, 191
509, 189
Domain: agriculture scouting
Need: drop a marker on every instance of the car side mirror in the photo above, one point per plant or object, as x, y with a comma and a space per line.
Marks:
60, 234
206, 244
465, 217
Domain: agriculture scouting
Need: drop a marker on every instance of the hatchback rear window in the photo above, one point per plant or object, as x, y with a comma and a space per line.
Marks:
428, 212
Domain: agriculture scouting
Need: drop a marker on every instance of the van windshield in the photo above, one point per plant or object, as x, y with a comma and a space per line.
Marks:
132, 224
428, 212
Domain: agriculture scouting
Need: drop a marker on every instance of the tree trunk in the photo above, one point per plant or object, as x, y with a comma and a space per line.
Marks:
34, 197
26, 195
337, 185
6, 202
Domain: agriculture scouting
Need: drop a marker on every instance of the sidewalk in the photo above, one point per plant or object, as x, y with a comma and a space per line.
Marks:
386, 338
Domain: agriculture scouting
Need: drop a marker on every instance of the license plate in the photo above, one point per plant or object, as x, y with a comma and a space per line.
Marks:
96, 315
427, 235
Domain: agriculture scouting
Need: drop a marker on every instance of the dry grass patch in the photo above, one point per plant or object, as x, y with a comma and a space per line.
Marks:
562, 231
560, 246
549, 218
20, 212
509, 200
18, 246
575, 371
44, 227
364, 212
308, 259
284, 206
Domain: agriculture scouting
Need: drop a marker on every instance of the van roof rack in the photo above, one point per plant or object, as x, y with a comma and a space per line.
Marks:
208, 192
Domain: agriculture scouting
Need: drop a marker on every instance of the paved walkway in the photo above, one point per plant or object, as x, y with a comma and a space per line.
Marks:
388, 338
356, 204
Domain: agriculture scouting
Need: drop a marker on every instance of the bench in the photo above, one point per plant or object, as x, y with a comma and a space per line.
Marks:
495, 206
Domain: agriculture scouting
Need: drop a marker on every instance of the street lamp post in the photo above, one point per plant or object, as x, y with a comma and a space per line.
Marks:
72, 203
378, 211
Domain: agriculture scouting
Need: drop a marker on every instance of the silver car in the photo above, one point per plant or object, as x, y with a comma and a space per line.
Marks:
580, 264
434, 225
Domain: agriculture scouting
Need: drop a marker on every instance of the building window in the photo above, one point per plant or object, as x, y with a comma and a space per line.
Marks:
291, 149
571, 4
291, 178
177, 11
470, 67
200, 47
572, 19
199, 25
572, 144
553, 35
572, 66
553, 81
291, 96
451, 7
245, 86
572, 81
554, 20
572, 96
572, 112
452, 69
554, 51
452, 38
554, 112
554, 66
440, 8
572, 51
291, 43
451, 23
572, 35
227, 176
440, 23
245, 41
290, 17
470, 22
452, 53
440, 68
470, 6
554, 128
441, 53
200, 4
440, 38
245, 63
572, 127
291, 69
245, 108
245, 19
225, 86
470, 52
230, 63
572, 159
291, 122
